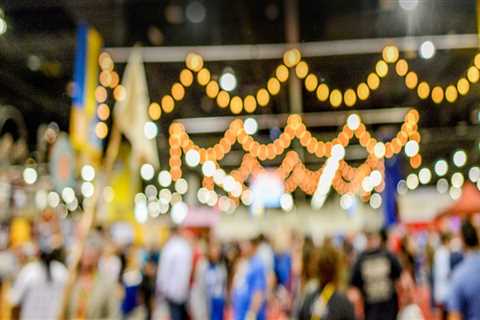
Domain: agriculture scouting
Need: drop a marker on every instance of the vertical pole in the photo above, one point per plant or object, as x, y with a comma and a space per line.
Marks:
292, 34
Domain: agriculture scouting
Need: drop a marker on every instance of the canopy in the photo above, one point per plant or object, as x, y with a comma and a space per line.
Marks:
467, 204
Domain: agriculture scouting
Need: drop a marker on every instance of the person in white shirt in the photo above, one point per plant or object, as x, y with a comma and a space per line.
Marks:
174, 272
39, 287
441, 274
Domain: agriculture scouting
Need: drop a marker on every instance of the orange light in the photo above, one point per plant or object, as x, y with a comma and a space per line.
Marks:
476, 60
100, 94
167, 104
223, 99
336, 98
177, 91
411, 80
451, 94
194, 62
105, 61
186, 77
291, 57
203, 77
381, 68
350, 97
263, 97
423, 90
401, 67
154, 111
373, 81
473, 74
390, 54
322, 92
281, 73
212, 89
115, 80
103, 112
437, 95
250, 104
463, 86
301, 69
120, 93
101, 130
105, 78
363, 91
236, 105
311, 82
416, 161
273, 86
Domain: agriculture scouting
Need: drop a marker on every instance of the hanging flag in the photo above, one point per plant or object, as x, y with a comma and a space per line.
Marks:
85, 77
130, 113
392, 176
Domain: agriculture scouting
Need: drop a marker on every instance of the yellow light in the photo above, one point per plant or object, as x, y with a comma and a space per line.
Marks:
476, 61
115, 80
311, 82
411, 80
451, 94
381, 68
273, 86
154, 111
203, 77
281, 73
101, 130
223, 98
263, 97
362, 91
292, 57
105, 61
350, 97
322, 92
105, 78
373, 81
473, 74
167, 103
194, 61
103, 112
336, 98
186, 77
177, 91
401, 67
423, 90
120, 93
463, 86
301, 69
437, 95
236, 105
100, 94
250, 103
212, 89
390, 54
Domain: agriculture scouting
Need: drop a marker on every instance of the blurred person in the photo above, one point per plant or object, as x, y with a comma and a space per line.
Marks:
441, 274
464, 294
95, 293
375, 274
131, 280
38, 289
174, 272
147, 287
249, 294
110, 262
327, 302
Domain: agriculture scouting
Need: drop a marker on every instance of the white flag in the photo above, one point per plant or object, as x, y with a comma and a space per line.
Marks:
131, 113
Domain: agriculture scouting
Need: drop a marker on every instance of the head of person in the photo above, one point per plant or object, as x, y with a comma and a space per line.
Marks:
214, 251
249, 247
469, 235
327, 265
91, 253
445, 238
374, 239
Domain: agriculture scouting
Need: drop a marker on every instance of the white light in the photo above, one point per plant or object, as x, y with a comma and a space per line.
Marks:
192, 158
30, 175
402, 187
457, 180
441, 168
442, 185
325, 182
41, 199
140, 197
195, 12
286, 202
474, 174
229, 183
88, 173
224, 204
179, 212
412, 181
68, 195
154, 208
338, 152
353, 121
219, 177
459, 158
53, 199
411, 148
150, 130
147, 171
425, 176
165, 196
346, 201
375, 201
250, 126
163, 207
367, 184
247, 197
212, 198
3, 26
228, 81
141, 211
376, 178
427, 50
203, 194
176, 197
455, 193
164, 178
181, 186
379, 150
87, 189
408, 5
208, 168
72, 206
237, 189
151, 192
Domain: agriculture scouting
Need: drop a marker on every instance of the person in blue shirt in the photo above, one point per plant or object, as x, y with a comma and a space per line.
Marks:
216, 281
249, 285
464, 295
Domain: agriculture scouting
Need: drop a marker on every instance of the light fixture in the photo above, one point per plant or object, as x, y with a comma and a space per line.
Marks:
441, 168
30, 175
427, 50
87, 172
459, 158
250, 126
150, 130
192, 157
147, 171
424, 175
164, 178
228, 81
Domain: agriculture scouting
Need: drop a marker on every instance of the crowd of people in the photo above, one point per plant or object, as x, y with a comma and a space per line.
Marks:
373, 274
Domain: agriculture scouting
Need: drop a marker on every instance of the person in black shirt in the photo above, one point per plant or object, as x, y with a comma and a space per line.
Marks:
327, 302
375, 274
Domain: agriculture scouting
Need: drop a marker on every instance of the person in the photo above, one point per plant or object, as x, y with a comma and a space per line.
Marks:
441, 274
39, 286
94, 293
249, 292
327, 302
131, 280
375, 274
174, 272
464, 297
